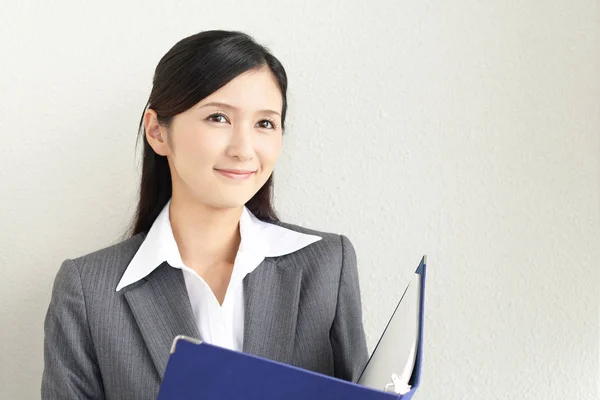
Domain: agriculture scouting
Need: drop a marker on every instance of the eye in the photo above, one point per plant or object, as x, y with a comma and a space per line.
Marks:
218, 118
266, 124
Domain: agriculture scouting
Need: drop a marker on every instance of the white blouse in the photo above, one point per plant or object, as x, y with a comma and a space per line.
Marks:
220, 325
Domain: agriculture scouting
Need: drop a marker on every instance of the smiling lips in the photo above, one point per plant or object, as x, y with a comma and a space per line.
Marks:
236, 174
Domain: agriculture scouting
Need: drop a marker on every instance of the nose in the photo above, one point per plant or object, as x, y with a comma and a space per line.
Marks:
241, 143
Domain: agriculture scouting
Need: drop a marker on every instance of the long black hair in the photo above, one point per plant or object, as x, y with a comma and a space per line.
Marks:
191, 70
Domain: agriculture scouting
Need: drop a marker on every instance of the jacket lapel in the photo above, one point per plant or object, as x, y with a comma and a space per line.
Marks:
272, 293
162, 310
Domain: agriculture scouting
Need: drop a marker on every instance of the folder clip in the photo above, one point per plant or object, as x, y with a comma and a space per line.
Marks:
397, 386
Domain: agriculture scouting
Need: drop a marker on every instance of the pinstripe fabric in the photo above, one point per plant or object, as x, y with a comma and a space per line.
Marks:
303, 308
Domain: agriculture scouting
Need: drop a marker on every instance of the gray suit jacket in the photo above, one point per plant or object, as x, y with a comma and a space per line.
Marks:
303, 309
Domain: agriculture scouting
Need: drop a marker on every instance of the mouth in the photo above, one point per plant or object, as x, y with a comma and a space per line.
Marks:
236, 174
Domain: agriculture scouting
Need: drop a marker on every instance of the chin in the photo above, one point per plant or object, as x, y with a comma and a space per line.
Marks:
227, 203
217, 197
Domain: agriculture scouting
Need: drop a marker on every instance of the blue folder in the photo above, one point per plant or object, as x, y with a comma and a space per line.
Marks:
198, 370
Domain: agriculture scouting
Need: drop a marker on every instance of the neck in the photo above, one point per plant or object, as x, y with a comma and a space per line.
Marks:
205, 235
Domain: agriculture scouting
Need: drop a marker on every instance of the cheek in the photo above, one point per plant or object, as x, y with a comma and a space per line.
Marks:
194, 151
269, 151
201, 142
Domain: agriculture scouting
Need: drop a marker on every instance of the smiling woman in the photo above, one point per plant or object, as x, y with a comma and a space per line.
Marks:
208, 256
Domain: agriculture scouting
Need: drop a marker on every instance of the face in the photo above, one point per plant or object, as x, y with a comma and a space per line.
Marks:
222, 150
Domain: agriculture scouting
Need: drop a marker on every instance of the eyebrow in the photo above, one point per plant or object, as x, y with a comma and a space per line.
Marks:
230, 107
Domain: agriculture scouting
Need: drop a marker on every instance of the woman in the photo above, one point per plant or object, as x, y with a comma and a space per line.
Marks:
208, 257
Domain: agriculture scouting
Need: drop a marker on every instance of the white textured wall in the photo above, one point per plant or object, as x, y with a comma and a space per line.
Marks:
468, 130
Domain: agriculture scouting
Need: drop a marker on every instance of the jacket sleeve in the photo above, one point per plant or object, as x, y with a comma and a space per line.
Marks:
348, 341
70, 365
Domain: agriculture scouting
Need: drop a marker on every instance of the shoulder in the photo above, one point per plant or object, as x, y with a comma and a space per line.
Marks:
333, 250
107, 265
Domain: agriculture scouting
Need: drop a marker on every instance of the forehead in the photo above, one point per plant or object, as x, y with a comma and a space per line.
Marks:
253, 90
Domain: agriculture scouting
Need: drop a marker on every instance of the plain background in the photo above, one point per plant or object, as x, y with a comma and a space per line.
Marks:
469, 131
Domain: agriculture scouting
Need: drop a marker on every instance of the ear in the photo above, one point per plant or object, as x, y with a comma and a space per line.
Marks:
156, 134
